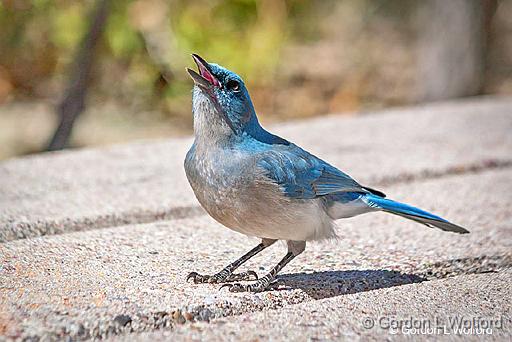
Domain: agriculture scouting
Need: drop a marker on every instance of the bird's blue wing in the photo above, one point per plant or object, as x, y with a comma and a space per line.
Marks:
302, 175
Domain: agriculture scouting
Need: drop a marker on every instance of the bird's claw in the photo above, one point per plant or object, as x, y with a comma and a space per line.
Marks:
236, 287
258, 286
197, 278
249, 275
222, 277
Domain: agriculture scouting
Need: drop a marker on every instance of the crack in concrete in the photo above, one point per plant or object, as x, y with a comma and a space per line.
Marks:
477, 167
23, 230
474, 265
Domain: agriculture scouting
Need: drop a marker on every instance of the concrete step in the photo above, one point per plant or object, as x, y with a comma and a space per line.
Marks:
124, 279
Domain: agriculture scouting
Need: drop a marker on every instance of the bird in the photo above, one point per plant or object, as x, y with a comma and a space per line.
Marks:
261, 185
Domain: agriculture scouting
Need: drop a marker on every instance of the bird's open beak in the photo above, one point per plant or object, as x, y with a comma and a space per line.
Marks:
205, 77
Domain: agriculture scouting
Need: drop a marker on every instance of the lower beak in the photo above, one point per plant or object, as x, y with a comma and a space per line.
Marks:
198, 79
205, 77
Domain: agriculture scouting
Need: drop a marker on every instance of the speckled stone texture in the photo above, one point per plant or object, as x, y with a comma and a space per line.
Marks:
98, 242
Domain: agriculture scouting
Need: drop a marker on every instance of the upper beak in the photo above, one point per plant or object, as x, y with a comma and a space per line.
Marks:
205, 77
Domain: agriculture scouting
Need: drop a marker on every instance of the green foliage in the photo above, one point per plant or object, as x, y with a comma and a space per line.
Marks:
68, 25
238, 33
40, 37
122, 38
246, 35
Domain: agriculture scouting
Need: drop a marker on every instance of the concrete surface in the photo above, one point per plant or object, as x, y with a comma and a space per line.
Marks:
127, 280
372, 315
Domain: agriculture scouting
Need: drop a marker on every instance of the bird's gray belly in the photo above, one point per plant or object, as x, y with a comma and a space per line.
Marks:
256, 206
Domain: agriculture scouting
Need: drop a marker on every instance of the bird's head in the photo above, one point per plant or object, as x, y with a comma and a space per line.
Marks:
221, 103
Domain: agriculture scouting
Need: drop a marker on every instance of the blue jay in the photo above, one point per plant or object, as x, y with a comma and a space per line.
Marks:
261, 185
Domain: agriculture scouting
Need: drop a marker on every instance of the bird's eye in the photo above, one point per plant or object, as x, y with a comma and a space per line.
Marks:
233, 85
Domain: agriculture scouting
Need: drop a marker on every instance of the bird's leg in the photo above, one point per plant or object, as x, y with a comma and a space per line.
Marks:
267, 282
227, 274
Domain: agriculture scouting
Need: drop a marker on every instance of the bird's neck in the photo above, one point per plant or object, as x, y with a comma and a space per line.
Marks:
211, 129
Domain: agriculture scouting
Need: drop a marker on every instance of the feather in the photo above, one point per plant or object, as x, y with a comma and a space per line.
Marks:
302, 175
412, 213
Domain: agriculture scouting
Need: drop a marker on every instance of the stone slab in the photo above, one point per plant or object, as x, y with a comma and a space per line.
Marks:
131, 278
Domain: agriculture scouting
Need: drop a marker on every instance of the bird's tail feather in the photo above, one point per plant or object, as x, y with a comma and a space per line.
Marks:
412, 213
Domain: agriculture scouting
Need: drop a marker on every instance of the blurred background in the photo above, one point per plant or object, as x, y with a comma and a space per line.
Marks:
82, 73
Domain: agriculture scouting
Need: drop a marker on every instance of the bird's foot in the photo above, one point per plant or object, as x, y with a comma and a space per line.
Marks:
242, 276
222, 277
263, 284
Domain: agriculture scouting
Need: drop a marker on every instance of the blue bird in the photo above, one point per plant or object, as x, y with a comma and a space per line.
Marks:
259, 184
